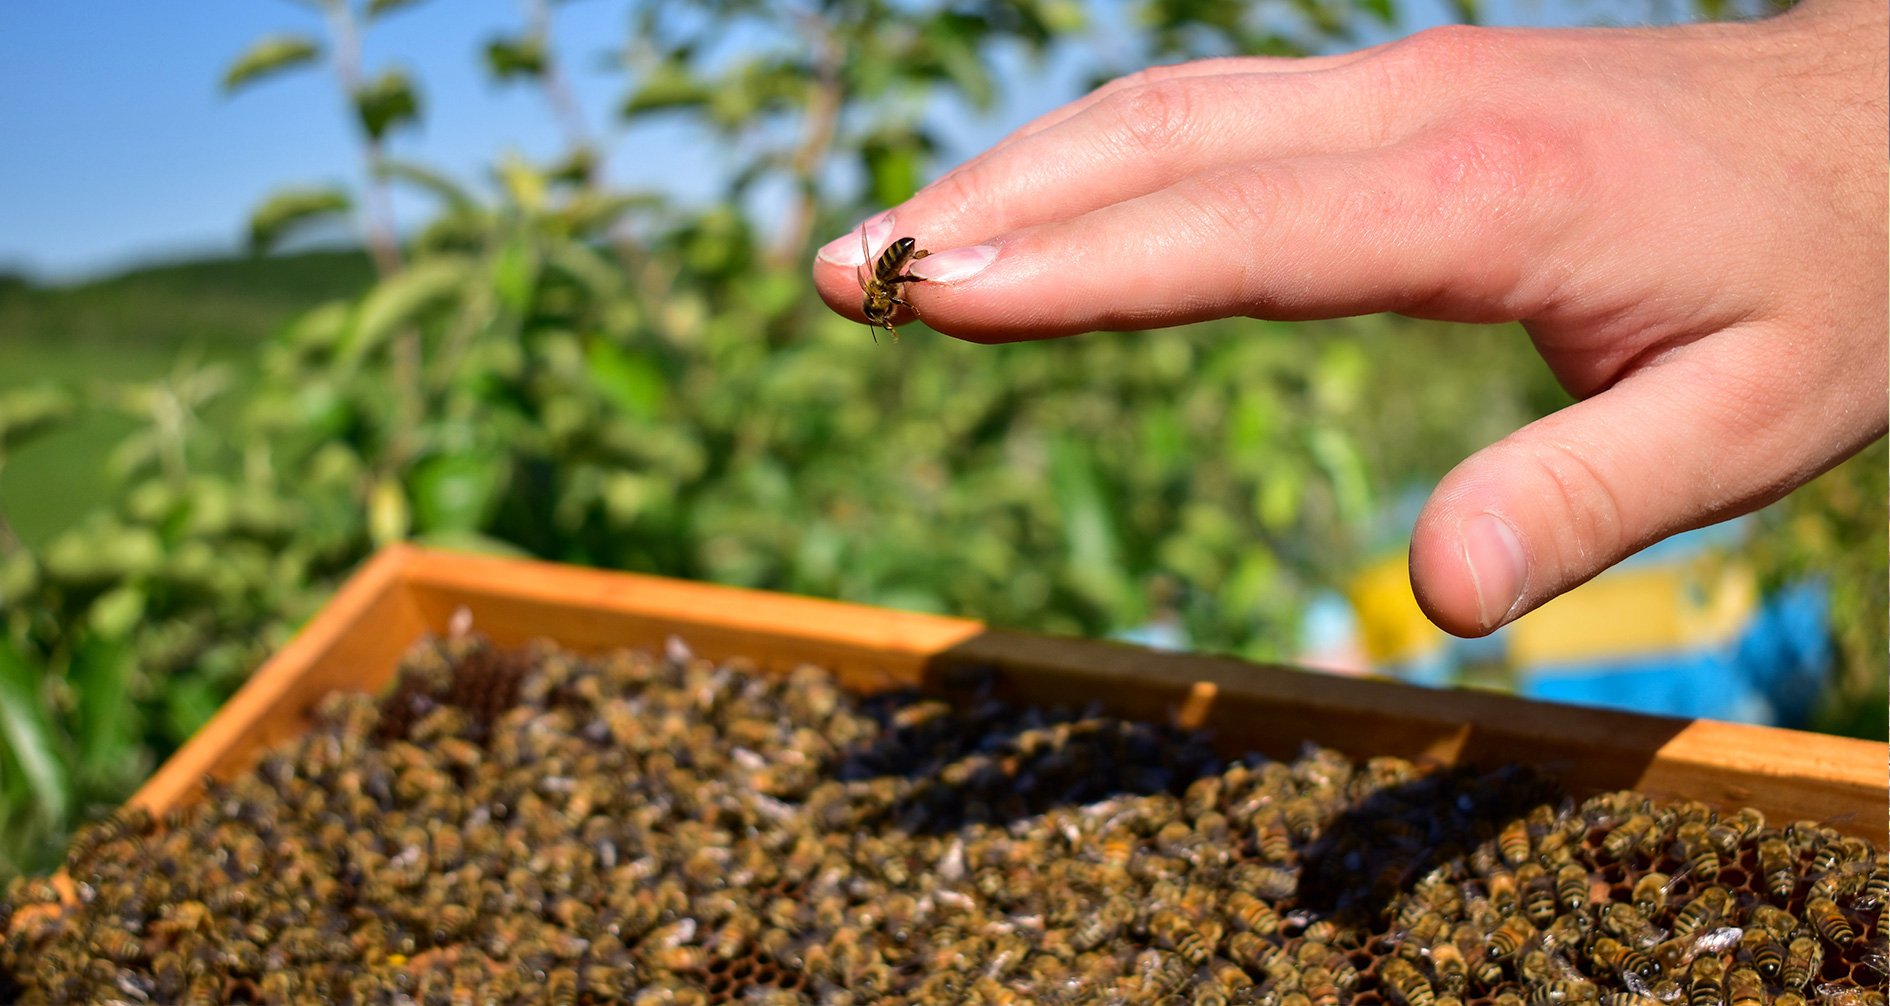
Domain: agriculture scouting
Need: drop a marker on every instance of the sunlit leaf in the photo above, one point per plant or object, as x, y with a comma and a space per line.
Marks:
669, 86
269, 56
116, 612
389, 517
454, 540
456, 492
380, 8
590, 212
574, 168
29, 735
101, 550
188, 704
515, 274
434, 183
510, 58
1338, 457
107, 725
29, 412
894, 170
1089, 530
399, 299
386, 102
292, 210
524, 183
631, 381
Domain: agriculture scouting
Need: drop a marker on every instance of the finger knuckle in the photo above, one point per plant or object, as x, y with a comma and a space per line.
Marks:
1496, 165
1152, 119
960, 188
1446, 52
1232, 208
1413, 77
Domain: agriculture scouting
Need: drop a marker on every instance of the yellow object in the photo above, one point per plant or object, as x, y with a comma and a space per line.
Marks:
1626, 612
1393, 626
1621, 613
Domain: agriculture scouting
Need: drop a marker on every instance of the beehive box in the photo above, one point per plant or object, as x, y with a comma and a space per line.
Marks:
405, 594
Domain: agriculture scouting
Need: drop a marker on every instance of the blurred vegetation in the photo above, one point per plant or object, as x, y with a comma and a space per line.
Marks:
552, 366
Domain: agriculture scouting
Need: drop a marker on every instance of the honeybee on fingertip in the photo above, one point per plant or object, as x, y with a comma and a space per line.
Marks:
885, 282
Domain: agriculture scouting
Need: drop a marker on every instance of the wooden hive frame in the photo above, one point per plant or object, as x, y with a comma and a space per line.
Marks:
404, 592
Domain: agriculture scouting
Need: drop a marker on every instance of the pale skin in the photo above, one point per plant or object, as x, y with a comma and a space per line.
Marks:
1689, 222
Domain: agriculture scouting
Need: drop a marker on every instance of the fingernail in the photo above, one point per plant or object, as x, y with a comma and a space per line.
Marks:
846, 251
956, 265
1495, 556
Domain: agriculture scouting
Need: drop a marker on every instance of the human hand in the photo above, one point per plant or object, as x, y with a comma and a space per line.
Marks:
1690, 222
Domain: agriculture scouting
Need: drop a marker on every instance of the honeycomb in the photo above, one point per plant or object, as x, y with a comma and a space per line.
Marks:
533, 826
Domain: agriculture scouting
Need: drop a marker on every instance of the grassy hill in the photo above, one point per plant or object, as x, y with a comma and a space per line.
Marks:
134, 326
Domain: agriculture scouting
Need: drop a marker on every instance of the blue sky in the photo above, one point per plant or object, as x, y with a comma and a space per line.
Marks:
118, 147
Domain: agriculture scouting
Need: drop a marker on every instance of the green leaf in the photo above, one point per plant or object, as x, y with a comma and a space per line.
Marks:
269, 56
511, 58
189, 702
670, 85
630, 380
574, 168
1089, 529
438, 185
894, 168
1337, 455
116, 612
589, 211
471, 541
382, 8
101, 550
515, 274
386, 102
457, 492
107, 720
291, 210
389, 516
29, 412
29, 734
523, 182
401, 298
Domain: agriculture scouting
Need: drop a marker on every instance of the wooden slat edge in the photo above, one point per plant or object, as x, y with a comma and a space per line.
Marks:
1824, 777
785, 616
1808, 775
261, 696
1444, 707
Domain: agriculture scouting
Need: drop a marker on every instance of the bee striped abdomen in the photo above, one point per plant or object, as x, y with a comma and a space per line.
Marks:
883, 290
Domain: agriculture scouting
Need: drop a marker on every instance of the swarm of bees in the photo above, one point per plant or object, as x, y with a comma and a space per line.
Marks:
663, 829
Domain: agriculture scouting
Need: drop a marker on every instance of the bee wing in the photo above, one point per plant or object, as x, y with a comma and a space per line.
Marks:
1877, 958
866, 260
1714, 942
1636, 984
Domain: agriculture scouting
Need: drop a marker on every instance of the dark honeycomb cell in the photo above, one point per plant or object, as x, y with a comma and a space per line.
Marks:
665, 829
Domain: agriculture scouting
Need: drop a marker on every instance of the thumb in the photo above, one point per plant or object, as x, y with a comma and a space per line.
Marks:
1704, 435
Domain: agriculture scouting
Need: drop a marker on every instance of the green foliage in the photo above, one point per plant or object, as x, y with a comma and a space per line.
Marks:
386, 102
507, 58
556, 368
382, 8
291, 210
1834, 529
270, 56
